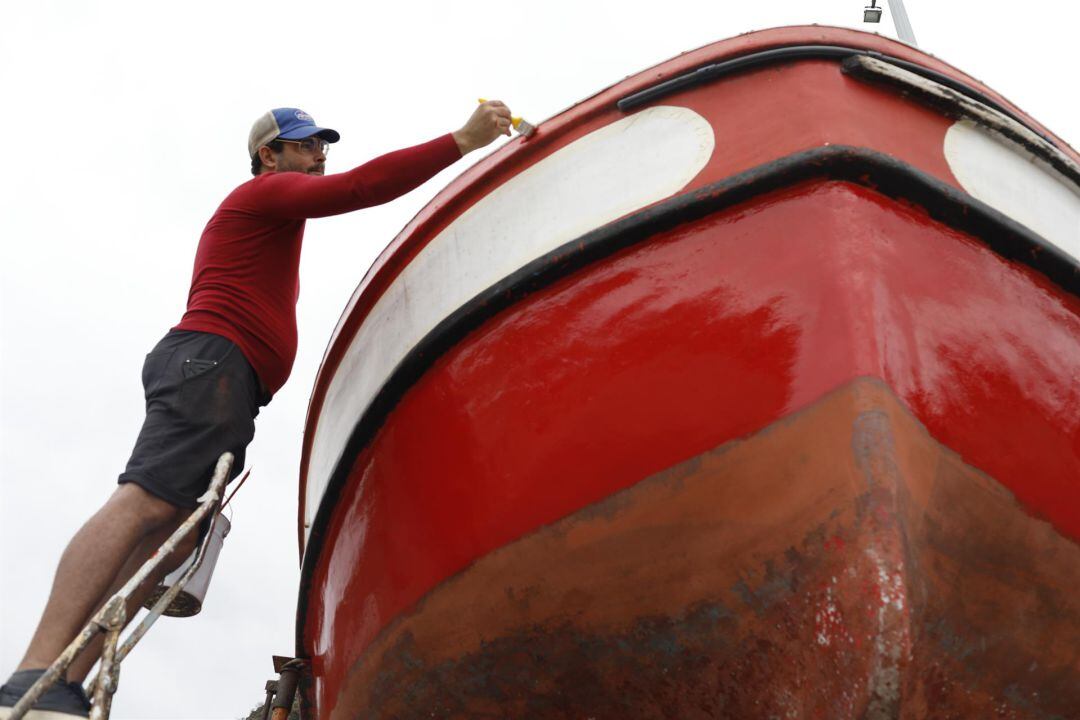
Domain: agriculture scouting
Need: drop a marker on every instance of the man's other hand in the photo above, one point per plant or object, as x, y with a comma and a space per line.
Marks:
490, 120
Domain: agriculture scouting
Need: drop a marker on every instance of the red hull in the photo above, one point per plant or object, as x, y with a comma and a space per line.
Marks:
815, 453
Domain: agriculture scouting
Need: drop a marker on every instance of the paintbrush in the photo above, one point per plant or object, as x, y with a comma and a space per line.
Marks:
523, 126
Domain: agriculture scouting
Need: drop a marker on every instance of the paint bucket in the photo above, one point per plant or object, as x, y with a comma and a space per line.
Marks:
189, 600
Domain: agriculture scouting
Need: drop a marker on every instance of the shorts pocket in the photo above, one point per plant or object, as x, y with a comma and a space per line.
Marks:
207, 387
205, 357
193, 367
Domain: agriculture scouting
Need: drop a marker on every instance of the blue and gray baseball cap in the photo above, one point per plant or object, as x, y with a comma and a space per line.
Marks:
287, 124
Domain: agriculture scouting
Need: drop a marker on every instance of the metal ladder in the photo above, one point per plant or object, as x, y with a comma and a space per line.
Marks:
112, 617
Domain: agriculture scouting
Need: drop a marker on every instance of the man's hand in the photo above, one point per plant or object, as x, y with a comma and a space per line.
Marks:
490, 120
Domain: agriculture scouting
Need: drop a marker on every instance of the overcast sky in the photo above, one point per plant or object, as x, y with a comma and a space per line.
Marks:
124, 125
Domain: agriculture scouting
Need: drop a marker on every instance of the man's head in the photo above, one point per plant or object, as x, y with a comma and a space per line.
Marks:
287, 139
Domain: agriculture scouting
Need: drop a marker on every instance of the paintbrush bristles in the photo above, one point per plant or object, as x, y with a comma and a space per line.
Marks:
523, 126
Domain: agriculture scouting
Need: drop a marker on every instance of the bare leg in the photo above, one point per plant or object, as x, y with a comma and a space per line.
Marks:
91, 564
83, 664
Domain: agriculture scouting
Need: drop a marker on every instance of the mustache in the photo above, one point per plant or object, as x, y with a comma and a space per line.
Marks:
317, 168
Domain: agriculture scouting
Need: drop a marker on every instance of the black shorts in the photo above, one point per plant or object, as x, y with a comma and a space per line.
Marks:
202, 397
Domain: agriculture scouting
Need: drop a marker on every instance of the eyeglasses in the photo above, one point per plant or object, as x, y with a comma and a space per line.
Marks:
309, 145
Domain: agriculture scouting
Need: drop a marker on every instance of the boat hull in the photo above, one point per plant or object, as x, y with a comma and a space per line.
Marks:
724, 403
539, 429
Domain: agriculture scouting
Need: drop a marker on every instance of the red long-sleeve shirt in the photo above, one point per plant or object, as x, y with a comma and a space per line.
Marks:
247, 269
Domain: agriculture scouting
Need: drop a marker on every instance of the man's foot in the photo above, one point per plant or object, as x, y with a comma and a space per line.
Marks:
63, 701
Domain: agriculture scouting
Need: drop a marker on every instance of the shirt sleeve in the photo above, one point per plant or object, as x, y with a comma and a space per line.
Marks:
296, 195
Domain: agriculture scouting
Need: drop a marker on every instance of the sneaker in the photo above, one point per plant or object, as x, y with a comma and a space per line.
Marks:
63, 701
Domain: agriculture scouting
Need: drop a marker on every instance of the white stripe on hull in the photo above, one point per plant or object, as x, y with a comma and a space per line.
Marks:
1010, 179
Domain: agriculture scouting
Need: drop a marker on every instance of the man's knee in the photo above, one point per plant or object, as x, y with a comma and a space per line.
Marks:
151, 512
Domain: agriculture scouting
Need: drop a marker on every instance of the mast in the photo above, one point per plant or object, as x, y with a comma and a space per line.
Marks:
903, 25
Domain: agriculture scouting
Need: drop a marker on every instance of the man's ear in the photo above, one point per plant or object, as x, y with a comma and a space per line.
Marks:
267, 158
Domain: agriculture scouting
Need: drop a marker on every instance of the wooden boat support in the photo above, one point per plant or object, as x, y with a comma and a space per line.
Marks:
713, 399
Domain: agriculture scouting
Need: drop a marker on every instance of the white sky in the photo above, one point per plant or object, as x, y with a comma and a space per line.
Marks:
125, 124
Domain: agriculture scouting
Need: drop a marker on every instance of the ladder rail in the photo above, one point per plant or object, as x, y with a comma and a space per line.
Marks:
112, 617
154, 614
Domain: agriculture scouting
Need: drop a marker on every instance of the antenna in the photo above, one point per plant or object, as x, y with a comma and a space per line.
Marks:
872, 14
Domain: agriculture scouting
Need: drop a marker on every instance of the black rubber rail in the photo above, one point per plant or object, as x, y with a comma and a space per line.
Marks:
860, 166
715, 71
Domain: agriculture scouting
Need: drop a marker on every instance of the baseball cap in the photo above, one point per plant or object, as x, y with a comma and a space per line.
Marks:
287, 124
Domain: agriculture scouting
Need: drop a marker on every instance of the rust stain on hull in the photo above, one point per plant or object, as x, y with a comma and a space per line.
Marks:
839, 564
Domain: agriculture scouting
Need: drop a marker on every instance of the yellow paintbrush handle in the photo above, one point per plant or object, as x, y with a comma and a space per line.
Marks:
515, 121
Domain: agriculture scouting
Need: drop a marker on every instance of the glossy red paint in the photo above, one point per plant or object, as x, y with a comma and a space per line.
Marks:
757, 116
671, 348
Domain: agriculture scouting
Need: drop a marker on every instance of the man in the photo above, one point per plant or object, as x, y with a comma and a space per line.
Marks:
207, 378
